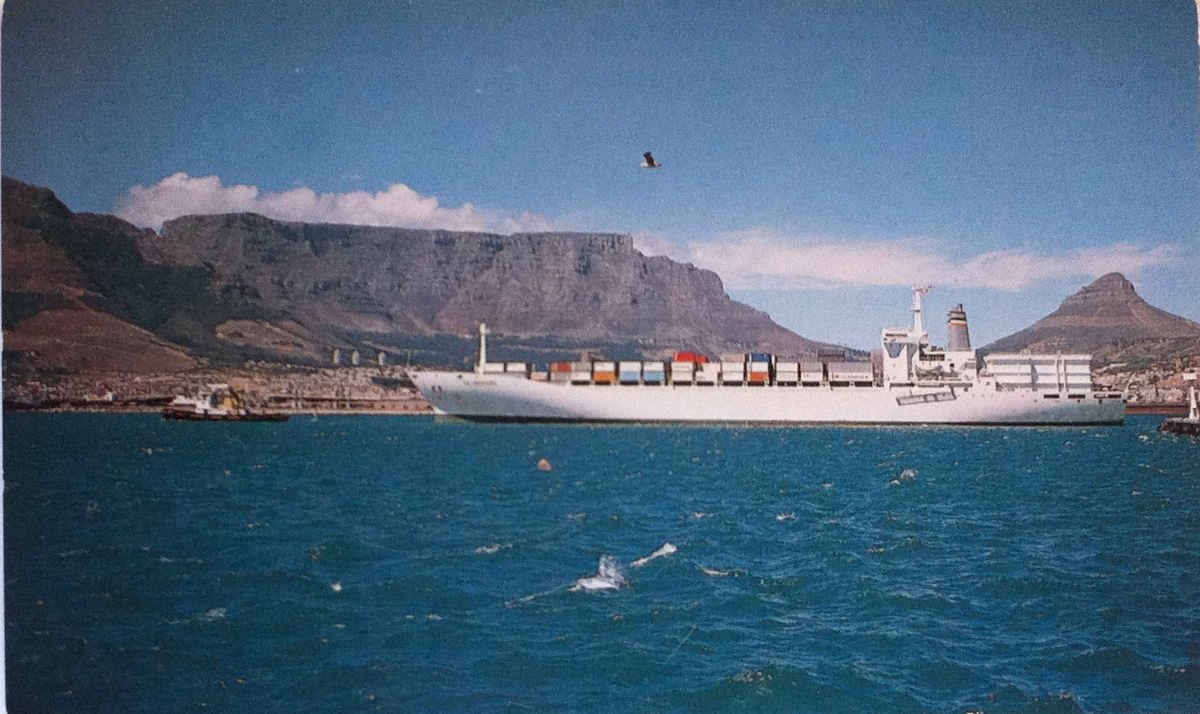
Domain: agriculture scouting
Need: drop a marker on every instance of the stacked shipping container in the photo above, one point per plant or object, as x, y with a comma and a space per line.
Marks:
753, 368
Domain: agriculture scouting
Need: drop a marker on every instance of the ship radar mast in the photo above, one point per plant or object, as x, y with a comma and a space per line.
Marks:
918, 323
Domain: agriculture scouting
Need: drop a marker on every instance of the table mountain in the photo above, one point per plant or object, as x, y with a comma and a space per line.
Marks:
233, 287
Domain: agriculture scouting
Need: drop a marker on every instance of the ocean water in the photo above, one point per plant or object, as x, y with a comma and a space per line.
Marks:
402, 564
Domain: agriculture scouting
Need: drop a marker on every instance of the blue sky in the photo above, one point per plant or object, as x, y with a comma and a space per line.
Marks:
820, 156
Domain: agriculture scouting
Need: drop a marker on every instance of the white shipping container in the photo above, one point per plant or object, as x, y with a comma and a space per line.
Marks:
787, 372
733, 370
850, 372
515, 366
810, 371
493, 367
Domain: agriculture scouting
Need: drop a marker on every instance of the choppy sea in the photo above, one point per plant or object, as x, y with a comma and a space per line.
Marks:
349, 563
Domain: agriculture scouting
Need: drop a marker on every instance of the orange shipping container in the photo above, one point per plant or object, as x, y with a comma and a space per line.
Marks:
560, 366
604, 377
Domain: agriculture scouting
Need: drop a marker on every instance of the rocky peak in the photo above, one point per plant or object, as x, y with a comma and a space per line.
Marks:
1110, 288
1106, 312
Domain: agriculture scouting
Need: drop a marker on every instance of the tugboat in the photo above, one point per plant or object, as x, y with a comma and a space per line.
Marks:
1191, 423
216, 402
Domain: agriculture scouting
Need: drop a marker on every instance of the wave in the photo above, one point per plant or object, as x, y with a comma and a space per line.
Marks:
666, 549
785, 688
608, 577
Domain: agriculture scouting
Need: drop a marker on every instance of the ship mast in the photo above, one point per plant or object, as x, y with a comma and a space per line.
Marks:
918, 323
483, 332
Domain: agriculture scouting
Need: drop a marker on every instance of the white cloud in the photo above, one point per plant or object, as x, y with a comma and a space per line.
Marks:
180, 194
650, 243
759, 259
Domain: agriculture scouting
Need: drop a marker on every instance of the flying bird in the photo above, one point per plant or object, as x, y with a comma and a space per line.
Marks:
649, 162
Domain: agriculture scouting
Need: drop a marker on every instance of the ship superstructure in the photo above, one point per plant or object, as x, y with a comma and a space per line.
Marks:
913, 382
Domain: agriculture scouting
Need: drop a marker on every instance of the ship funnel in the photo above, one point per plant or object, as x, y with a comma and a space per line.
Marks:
956, 327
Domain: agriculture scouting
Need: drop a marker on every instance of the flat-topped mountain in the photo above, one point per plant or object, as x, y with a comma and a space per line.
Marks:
373, 280
1105, 317
227, 288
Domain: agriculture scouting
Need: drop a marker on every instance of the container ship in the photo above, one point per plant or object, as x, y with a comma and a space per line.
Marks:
913, 383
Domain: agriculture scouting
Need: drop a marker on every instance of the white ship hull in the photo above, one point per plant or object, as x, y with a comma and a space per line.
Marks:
504, 397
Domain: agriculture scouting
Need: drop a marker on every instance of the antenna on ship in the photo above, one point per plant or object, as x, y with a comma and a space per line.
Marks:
483, 332
918, 324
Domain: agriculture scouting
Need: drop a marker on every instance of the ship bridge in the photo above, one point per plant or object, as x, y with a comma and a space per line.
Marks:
908, 358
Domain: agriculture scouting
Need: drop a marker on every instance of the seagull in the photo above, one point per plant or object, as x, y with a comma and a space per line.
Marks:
649, 162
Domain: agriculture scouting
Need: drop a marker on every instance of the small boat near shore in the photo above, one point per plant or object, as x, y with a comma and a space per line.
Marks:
1189, 425
216, 402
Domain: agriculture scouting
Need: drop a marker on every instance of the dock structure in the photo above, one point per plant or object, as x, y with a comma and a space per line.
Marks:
1189, 425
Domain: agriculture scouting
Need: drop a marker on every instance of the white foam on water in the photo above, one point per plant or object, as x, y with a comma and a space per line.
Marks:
608, 577
664, 550
211, 615
492, 548
517, 602
785, 516
713, 572
701, 514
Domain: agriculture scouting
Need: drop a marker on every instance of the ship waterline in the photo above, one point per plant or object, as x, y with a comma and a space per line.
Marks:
915, 383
